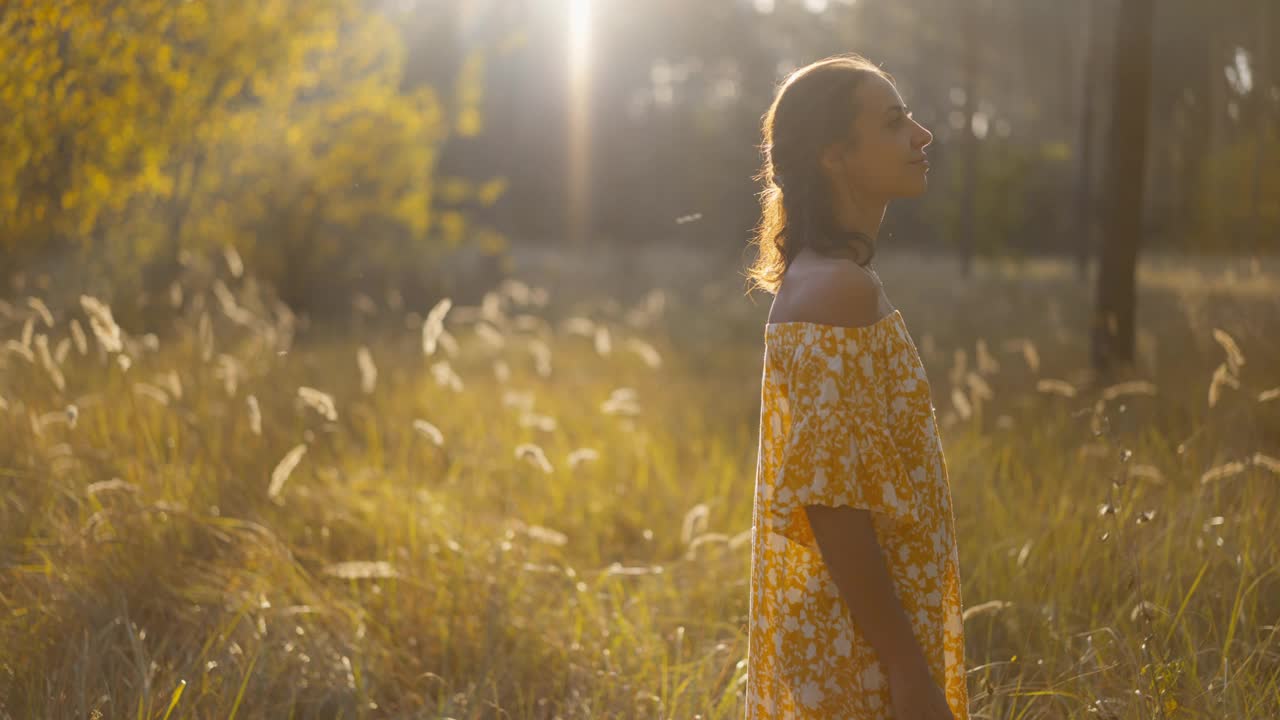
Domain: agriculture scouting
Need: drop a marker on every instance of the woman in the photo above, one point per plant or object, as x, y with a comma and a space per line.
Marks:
855, 589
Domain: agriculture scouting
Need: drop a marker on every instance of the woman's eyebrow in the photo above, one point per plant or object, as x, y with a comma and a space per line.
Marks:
899, 108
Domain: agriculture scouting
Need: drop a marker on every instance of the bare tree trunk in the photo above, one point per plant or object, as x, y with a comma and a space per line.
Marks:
1114, 309
969, 141
1195, 138
1084, 182
1261, 87
1217, 136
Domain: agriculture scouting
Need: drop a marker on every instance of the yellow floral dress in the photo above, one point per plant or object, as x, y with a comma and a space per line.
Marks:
847, 418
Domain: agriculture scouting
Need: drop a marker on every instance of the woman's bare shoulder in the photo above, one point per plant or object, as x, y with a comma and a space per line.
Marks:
828, 293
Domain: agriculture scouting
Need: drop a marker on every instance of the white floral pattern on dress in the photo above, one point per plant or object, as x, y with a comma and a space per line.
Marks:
847, 418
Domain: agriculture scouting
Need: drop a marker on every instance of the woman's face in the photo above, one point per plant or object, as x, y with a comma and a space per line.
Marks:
884, 158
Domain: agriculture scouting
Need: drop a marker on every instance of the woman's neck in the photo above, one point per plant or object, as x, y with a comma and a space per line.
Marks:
865, 218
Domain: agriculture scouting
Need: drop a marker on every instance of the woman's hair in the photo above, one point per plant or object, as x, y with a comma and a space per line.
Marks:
814, 107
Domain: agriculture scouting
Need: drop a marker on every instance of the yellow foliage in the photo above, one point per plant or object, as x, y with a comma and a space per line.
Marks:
454, 190
452, 226
155, 125
491, 191
232, 116
469, 124
491, 242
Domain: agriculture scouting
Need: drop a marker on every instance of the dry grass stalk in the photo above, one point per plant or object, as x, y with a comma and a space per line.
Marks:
444, 376
61, 349
171, 382
319, 401
20, 350
431, 432
578, 325
148, 390
204, 331
255, 415
1056, 387
1266, 461
622, 401
490, 335
1223, 471
546, 535
603, 341
545, 423
646, 352
541, 357
361, 570
986, 608
78, 336
229, 370
694, 523
1222, 376
987, 363
581, 455
102, 323
1133, 387
961, 403
1235, 358
48, 363
368, 371
280, 475
41, 309
534, 455
501, 371
433, 326
234, 263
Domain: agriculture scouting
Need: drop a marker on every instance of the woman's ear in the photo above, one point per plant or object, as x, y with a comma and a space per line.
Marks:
832, 160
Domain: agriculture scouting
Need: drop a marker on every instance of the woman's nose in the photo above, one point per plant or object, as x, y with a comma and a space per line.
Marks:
925, 137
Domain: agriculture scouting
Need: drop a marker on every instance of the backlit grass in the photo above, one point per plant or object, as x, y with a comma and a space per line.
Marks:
540, 506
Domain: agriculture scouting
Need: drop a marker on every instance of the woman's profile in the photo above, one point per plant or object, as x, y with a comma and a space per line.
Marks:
855, 608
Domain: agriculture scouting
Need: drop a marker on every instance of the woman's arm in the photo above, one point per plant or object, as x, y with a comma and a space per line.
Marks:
847, 542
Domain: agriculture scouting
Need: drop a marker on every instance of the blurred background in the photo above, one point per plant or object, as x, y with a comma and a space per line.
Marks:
390, 358
351, 145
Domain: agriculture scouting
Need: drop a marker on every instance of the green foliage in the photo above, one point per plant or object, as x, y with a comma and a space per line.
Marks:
1017, 197
1239, 203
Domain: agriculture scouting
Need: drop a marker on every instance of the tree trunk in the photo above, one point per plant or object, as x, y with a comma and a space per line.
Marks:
1261, 87
969, 141
1195, 141
1113, 319
1084, 182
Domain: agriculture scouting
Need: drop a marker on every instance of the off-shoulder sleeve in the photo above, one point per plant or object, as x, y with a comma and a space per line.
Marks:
836, 448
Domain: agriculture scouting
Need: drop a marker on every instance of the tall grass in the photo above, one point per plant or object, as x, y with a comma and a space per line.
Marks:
540, 506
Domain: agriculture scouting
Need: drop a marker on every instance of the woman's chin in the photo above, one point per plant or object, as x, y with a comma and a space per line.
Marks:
915, 189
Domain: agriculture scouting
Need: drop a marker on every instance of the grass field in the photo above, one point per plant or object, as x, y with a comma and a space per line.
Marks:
540, 506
